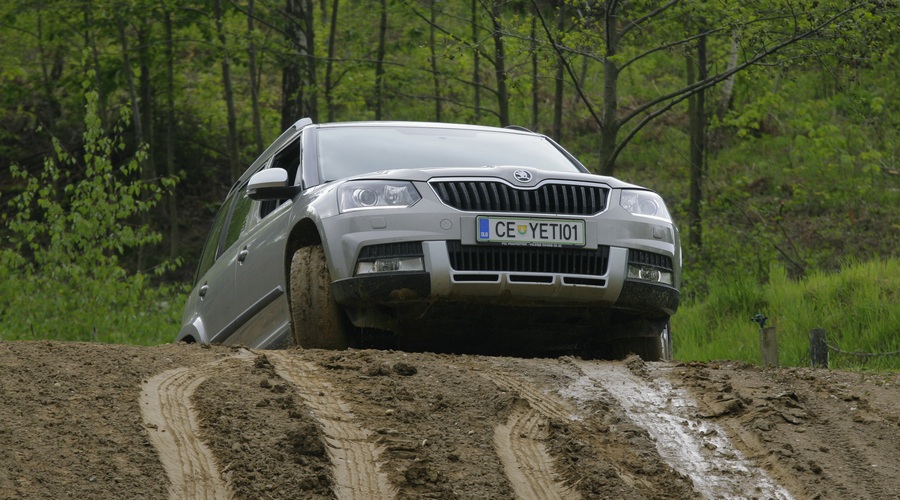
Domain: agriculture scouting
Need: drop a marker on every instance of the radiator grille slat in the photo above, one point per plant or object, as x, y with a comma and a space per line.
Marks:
492, 196
650, 259
528, 259
390, 250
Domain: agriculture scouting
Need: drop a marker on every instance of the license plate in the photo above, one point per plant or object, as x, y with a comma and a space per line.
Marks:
528, 231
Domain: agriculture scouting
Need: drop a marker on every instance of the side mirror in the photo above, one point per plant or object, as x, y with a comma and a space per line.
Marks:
270, 184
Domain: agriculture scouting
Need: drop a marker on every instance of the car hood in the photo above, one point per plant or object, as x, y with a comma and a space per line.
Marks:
507, 173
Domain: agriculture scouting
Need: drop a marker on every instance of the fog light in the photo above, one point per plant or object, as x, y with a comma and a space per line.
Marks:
390, 265
650, 274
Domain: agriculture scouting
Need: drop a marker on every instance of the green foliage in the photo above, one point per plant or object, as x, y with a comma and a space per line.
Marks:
856, 306
61, 276
806, 178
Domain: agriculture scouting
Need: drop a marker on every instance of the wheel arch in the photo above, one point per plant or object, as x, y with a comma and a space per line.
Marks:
192, 333
303, 234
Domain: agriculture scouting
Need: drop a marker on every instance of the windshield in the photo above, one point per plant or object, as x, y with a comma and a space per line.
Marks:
347, 151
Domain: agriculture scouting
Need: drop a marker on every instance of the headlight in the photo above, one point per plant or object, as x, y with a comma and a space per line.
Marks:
645, 203
356, 195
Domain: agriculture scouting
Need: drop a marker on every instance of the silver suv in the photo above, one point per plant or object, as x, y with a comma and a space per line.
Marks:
435, 236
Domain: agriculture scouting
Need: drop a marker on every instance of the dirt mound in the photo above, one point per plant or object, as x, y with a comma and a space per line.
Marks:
183, 421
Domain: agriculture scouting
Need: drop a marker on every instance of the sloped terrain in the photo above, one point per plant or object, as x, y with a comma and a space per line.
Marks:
175, 421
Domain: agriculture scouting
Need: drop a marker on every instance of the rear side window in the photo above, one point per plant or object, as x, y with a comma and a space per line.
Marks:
211, 248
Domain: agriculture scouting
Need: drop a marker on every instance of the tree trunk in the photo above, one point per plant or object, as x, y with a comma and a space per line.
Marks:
559, 81
610, 131
329, 66
146, 100
535, 86
697, 131
132, 91
438, 105
232, 140
171, 124
728, 84
135, 118
379, 62
254, 80
298, 82
500, 65
145, 90
91, 41
52, 109
476, 62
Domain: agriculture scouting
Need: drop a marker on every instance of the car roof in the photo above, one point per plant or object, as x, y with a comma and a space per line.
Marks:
436, 125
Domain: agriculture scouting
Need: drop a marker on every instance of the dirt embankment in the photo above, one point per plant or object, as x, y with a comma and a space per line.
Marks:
176, 421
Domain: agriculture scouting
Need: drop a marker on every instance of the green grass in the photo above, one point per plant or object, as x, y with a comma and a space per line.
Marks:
125, 311
857, 306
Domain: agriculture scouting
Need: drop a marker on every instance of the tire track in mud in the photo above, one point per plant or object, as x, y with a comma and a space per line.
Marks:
520, 441
354, 456
701, 450
173, 428
520, 445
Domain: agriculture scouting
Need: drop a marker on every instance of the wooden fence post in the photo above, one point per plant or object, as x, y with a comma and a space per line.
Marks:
768, 343
818, 348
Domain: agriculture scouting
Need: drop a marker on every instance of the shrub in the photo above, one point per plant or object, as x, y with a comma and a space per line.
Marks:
61, 276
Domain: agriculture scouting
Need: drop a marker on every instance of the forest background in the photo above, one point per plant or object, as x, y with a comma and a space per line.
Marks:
769, 127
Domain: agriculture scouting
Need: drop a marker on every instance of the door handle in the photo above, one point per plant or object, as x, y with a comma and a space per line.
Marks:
203, 290
242, 255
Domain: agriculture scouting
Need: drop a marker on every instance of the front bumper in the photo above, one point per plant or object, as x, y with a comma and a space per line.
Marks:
444, 282
382, 289
654, 300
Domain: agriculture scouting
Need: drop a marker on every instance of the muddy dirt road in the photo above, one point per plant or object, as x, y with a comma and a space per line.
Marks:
177, 421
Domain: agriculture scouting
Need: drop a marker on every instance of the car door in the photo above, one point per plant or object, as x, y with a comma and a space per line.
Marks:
260, 285
209, 306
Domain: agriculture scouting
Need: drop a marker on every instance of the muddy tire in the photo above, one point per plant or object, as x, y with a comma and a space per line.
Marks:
648, 348
318, 322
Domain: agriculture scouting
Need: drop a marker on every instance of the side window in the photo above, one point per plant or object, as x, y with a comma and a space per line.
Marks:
288, 159
239, 216
211, 247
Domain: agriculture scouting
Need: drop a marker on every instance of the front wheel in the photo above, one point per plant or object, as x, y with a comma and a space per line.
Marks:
318, 321
651, 340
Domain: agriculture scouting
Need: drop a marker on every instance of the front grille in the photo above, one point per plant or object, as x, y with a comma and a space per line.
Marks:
650, 259
391, 250
492, 196
519, 259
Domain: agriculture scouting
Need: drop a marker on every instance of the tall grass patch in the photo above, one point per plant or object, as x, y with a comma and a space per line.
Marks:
856, 306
